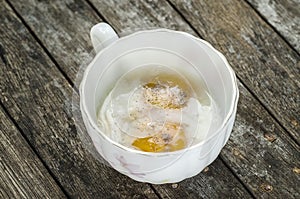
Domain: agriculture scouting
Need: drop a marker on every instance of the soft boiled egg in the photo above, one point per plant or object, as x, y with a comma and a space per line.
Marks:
153, 114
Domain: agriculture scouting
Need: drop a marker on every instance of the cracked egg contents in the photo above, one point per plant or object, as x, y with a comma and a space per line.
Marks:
170, 138
155, 109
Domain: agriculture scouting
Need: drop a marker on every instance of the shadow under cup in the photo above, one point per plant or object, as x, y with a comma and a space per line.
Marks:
204, 68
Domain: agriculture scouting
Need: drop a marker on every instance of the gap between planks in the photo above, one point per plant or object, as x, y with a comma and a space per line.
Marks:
272, 27
96, 11
224, 162
33, 149
99, 14
242, 82
189, 24
236, 176
40, 43
68, 80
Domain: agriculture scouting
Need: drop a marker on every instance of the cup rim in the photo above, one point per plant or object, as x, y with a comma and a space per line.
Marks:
232, 110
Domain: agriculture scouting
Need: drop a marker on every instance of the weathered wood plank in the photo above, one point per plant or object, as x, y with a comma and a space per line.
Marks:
131, 16
261, 153
174, 15
22, 175
255, 159
284, 16
38, 27
37, 96
205, 185
63, 27
262, 60
47, 19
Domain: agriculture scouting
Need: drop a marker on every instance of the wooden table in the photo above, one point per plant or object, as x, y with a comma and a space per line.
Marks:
42, 45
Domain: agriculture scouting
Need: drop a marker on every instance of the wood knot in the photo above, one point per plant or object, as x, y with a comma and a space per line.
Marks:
270, 137
206, 169
294, 122
266, 187
296, 170
174, 186
236, 152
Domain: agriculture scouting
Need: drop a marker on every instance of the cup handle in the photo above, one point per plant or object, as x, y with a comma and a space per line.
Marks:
102, 35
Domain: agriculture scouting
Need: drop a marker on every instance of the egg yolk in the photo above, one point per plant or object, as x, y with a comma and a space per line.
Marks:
164, 95
170, 138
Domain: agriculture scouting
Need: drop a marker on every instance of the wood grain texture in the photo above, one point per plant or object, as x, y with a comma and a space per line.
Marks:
261, 153
261, 59
130, 16
22, 175
63, 27
51, 7
254, 172
37, 96
258, 180
284, 16
213, 182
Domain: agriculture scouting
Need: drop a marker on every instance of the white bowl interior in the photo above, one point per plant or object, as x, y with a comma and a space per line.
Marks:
203, 66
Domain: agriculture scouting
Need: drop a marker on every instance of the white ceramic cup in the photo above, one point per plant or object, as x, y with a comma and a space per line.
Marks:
192, 57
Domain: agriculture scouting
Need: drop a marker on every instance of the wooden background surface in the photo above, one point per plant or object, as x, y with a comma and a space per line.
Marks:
42, 45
